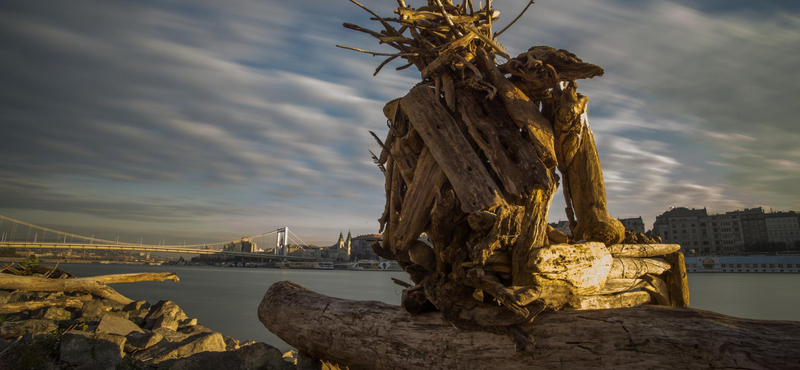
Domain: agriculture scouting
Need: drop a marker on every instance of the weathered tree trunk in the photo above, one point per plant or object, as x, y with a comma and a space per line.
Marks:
374, 335
95, 285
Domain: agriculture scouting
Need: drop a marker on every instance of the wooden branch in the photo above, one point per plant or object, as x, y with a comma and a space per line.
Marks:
418, 202
95, 285
16, 307
375, 335
642, 250
515, 19
376, 53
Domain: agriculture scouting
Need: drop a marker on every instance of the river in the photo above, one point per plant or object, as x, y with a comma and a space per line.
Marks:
226, 299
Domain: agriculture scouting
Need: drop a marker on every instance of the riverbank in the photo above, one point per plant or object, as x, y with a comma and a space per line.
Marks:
76, 330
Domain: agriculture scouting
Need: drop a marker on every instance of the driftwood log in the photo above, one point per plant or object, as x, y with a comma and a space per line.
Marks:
374, 335
96, 285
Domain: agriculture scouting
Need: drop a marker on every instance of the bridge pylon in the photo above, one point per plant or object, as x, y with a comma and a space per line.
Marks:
282, 245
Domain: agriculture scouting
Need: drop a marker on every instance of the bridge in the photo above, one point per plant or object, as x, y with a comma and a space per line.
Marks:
58, 240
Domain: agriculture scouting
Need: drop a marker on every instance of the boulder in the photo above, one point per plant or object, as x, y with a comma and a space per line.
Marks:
137, 306
53, 313
140, 341
98, 349
116, 323
258, 356
13, 329
164, 314
231, 343
93, 310
187, 323
166, 350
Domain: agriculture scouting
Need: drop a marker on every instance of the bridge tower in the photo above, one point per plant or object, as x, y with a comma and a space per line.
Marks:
282, 245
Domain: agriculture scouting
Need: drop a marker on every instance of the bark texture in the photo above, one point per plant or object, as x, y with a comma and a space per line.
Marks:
95, 285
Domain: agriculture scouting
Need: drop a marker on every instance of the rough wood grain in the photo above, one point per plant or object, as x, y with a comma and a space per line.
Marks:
472, 183
374, 335
677, 280
418, 202
642, 250
512, 157
16, 307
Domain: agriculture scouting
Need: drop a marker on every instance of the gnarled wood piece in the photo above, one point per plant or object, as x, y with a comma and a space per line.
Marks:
428, 179
374, 335
581, 268
632, 268
580, 166
512, 157
472, 183
8, 308
677, 280
524, 112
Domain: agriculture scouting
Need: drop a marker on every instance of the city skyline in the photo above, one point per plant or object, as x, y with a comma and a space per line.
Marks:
199, 120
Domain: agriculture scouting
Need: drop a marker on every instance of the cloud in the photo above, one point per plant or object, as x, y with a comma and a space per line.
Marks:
249, 116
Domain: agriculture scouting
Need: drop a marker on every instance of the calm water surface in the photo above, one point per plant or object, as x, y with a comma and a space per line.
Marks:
226, 299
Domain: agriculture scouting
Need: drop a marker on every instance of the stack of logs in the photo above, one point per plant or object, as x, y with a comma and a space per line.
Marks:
470, 161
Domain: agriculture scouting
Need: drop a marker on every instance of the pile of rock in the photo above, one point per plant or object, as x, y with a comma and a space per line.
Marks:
107, 335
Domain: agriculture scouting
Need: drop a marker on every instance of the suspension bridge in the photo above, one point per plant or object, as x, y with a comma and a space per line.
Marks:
27, 236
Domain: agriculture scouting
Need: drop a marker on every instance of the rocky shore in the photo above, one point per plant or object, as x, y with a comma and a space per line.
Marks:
98, 333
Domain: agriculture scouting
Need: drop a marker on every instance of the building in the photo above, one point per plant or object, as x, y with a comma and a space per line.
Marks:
754, 226
698, 232
562, 226
341, 250
783, 227
244, 245
362, 247
635, 225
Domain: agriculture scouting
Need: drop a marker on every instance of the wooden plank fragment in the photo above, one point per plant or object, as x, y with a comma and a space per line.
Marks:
677, 280
96, 285
619, 300
470, 179
642, 250
582, 268
632, 268
512, 158
416, 212
621, 285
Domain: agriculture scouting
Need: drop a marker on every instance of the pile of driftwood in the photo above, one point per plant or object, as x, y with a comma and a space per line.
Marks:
470, 160
40, 278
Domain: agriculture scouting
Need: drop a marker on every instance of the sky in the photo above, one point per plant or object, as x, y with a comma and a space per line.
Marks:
205, 121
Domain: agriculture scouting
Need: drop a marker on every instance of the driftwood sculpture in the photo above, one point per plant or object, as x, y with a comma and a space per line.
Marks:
470, 161
473, 157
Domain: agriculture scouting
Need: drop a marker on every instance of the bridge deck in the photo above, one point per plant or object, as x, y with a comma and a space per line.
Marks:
142, 248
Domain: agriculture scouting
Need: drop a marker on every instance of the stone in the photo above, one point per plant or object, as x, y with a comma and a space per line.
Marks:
140, 341
231, 343
99, 349
93, 310
115, 323
15, 297
4, 296
290, 356
13, 329
137, 316
257, 356
53, 313
137, 306
166, 350
187, 323
164, 314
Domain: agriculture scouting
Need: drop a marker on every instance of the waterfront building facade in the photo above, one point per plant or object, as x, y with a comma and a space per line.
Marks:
635, 225
783, 227
698, 232
362, 247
